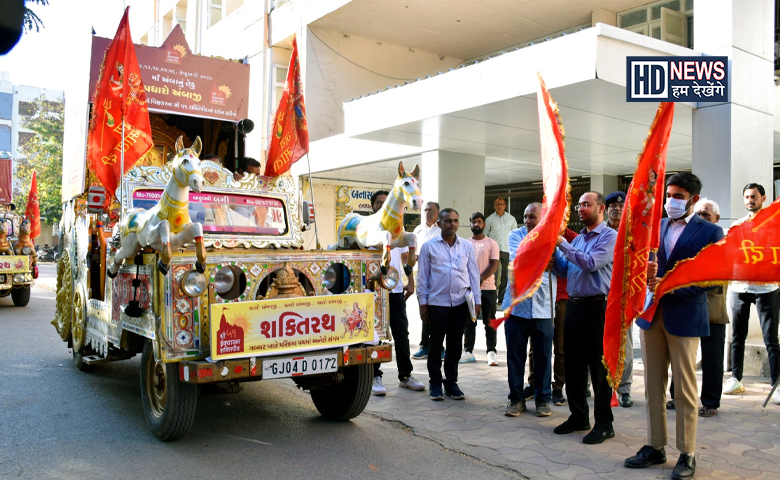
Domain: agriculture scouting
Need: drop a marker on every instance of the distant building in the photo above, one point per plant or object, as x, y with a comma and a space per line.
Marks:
15, 104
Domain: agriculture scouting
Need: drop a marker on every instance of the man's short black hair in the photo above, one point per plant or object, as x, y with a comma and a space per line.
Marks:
447, 210
687, 181
211, 156
438, 208
376, 194
245, 162
757, 186
475, 216
600, 200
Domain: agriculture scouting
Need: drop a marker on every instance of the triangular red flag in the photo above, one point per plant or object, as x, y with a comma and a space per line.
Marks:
119, 99
290, 135
33, 211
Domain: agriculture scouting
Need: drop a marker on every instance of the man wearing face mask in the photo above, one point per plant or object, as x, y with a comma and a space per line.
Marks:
673, 335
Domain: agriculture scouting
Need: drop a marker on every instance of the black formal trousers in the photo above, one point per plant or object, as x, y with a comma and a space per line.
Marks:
446, 322
399, 326
583, 336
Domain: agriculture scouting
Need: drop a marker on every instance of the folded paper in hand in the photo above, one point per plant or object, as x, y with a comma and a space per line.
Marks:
470, 302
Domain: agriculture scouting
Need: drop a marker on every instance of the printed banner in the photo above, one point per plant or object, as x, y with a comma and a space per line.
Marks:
14, 264
269, 327
178, 81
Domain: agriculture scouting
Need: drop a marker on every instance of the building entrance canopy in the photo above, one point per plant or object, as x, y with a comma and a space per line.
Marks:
488, 109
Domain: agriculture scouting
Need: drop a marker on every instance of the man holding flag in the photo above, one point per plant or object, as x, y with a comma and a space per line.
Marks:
672, 334
588, 266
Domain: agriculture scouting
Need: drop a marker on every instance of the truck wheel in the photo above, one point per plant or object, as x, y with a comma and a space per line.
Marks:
169, 404
347, 399
79, 328
21, 296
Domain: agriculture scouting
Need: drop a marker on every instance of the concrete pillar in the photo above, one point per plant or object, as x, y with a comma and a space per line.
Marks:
455, 180
733, 142
605, 184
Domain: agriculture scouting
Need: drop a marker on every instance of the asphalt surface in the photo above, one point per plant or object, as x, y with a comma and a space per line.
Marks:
58, 422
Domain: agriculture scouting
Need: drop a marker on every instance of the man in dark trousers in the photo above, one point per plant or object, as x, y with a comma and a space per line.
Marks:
673, 335
447, 271
587, 262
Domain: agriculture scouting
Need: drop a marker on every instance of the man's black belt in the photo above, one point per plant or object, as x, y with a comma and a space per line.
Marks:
584, 300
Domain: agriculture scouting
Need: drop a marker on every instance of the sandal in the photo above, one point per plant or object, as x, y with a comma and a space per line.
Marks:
670, 405
708, 412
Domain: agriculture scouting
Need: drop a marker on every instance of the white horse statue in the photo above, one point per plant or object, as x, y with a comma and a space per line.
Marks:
167, 225
385, 228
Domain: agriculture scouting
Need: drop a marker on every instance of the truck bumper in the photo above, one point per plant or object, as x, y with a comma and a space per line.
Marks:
202, 372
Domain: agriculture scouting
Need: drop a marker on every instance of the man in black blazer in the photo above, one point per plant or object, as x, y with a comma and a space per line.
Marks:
673, 336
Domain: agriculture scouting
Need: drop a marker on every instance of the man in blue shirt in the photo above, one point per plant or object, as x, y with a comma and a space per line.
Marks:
447, 270
530, 318
587, 262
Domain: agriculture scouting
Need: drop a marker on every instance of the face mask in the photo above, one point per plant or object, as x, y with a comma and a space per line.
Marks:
676, 208
476, 230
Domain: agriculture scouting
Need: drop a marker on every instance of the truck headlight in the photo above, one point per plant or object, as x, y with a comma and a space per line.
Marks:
224, 280
193, 284
19, 278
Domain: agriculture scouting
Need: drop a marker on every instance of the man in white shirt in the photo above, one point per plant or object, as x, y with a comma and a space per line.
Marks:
767, 300
399, 324
498, 226
424, 232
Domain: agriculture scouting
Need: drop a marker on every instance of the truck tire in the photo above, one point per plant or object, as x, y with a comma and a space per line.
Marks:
347, 399
21, 296
169, 404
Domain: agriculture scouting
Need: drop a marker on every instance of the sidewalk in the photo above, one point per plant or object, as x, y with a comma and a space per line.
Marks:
742, 441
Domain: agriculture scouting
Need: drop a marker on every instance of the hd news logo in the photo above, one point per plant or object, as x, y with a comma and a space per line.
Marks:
677, 79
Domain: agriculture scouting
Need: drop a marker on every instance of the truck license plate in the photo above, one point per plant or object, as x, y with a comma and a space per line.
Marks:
297, 366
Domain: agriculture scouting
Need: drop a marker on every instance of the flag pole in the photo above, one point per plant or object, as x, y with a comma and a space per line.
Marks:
311, 191
122, 167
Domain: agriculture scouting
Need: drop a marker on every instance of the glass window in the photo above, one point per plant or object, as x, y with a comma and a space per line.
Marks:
215, 8
656, 10
226, 213
633, 18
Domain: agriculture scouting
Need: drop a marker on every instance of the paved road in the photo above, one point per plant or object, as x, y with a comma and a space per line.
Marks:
57, 422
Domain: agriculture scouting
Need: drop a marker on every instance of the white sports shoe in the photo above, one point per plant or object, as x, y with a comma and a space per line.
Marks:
377, 388
492, 359
733, 387
412, 384
467, 357
776, 397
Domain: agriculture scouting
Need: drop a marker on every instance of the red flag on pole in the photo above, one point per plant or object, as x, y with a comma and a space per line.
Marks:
290, 136
538, 246
750, 252
119, 99
33, 211
638, 235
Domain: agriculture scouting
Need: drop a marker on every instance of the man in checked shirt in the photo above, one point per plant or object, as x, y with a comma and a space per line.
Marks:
447, 269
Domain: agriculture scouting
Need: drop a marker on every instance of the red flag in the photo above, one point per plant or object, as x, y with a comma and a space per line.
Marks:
750, 252
33, 211
538, 246
119, 99
6, 180
638, 235
290, 139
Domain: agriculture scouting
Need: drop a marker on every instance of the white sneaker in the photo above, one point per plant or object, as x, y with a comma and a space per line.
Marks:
492, 359
733, 387
377, 388
412, 384
776, 397
467, 357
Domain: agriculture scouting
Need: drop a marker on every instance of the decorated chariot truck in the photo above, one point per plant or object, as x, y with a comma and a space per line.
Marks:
18, 269
203, 274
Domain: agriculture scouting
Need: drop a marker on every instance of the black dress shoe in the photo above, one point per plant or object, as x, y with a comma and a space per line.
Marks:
598, 435
570, 427
685, 468
646, 456
625, 400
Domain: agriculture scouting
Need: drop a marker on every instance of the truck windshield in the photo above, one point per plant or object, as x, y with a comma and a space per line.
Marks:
226, 213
